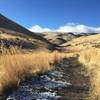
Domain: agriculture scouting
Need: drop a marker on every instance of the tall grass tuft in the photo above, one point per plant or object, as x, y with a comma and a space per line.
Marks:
16, 66
91, 61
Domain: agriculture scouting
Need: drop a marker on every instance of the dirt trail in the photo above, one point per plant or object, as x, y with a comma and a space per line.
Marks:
66, 82
74, 73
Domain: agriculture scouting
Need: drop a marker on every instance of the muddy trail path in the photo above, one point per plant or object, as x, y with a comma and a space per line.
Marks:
66, 82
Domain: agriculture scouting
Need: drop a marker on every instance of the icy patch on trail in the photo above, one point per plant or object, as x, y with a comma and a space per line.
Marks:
36, 96
56, 74
40, 88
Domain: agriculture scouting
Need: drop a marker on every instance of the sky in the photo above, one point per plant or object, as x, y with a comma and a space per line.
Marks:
54, 15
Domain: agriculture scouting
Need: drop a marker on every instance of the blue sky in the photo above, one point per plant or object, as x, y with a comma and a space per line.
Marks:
52, 14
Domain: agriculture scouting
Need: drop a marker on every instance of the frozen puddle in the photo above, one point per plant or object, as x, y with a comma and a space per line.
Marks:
40, 88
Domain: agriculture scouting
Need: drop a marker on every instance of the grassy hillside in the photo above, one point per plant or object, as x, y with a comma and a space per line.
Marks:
26, 43
83, 43
11, 28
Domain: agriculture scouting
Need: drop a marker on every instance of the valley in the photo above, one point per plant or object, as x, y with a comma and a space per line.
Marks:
48, 65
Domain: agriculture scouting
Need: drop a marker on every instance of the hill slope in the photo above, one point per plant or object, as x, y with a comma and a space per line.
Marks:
11, 28
83, 43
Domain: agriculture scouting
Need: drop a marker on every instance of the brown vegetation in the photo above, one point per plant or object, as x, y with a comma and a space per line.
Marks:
16, 66
91, 60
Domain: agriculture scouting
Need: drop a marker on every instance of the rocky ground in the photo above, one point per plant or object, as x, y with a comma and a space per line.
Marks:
66, 82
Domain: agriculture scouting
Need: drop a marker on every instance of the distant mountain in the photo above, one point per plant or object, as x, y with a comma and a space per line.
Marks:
59, 38
12, 28
83, 34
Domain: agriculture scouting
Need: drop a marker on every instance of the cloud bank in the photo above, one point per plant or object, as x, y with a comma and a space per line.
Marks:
69, 27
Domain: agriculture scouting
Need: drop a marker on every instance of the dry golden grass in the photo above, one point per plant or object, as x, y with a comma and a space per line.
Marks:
91, 60
84, 39
83, 43
16, 66
9, 36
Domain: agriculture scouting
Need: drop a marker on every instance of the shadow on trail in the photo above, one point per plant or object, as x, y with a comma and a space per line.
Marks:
74, 73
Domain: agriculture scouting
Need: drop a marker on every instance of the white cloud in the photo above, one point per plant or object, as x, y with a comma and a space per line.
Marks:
37, 28
69, 27
79, 28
